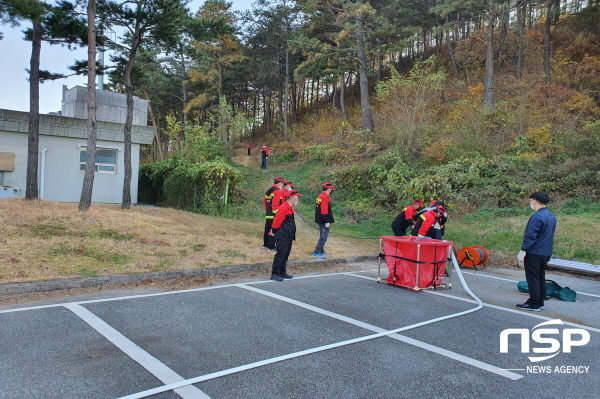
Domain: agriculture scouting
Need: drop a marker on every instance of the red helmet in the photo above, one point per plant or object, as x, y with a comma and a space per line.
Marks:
418, 202
440, 209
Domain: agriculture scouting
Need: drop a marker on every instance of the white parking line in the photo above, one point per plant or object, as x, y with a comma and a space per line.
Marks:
146, 360
516, 281
121, 298
414, 342
490, 305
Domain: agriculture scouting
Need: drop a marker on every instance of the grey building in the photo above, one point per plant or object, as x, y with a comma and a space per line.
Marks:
62, 148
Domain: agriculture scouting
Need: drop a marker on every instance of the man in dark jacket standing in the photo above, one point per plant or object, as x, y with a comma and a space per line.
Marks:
324, 218
284, 231
264, 156
537, 249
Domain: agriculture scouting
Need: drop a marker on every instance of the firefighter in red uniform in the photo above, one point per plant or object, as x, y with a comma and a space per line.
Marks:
284, 231
324, 218
440, 226
269, 241
424, 227
264, 154
279, 195
406, 218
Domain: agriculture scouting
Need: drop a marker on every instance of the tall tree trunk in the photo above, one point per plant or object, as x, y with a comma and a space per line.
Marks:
547, 48
126, 204
450, 49
183, 88
286, 94
90, 162
343, 96
295, 101
33, 138
489, 59
365, 107
521, 34
157, 135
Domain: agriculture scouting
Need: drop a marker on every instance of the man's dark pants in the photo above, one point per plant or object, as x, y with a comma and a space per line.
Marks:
268, 241
535, 274
323, 235
284, 247
263, 164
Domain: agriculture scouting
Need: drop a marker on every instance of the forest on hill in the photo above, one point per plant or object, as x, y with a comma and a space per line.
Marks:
475, 103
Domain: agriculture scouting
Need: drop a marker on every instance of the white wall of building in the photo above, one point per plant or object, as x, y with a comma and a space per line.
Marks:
59, 175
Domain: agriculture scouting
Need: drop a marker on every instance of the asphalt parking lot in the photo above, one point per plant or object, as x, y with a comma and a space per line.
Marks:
316, 336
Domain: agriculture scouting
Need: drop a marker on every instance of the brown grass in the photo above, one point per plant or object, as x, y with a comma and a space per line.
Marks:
48, 240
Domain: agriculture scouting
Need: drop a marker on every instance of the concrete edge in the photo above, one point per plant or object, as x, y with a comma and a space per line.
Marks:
54, 285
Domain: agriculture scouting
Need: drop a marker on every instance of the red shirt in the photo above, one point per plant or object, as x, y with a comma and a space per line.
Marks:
279, 198
409, 212
283, 211
429, 220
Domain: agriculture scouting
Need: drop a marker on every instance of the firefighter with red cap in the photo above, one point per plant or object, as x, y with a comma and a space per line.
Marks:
284, 231
324, 218
270, 210
279, 195
406, 218
425, 225
264, 154
440, 225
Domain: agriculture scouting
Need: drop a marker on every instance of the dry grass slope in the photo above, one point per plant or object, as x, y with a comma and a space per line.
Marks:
47, 240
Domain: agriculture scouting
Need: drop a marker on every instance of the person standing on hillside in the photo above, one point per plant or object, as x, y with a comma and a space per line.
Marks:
536, 250
284, 231
264, 154
406, 218
249, 149
324, 218
268, 240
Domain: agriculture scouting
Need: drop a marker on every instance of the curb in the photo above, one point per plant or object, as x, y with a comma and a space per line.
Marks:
54, 285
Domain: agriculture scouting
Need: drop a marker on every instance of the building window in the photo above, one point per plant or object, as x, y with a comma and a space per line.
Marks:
106, 160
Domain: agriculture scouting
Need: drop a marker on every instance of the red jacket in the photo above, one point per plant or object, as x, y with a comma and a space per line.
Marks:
409, 212
323, 209
425, 222
278, 198
284, 223
268, 201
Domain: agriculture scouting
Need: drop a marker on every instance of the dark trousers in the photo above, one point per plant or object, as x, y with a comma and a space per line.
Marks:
535, 274
323, 235
249, 151
268, 241
436, 234
284, 247
399, 228
263, 165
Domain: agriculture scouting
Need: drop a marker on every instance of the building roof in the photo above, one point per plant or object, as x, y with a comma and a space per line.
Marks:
62, 126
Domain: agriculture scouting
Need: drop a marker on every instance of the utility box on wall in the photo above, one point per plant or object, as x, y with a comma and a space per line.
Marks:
7, 162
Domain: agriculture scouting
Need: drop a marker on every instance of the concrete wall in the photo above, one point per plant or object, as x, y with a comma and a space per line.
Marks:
62, 179
110, 107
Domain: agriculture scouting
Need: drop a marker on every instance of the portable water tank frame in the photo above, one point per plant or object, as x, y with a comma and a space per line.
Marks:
416, 263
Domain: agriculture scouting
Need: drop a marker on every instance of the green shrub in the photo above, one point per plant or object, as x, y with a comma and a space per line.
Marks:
198, 187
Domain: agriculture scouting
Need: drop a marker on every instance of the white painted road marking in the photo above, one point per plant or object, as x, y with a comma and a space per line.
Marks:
146, 360
414, 342
491, 306
516, 281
